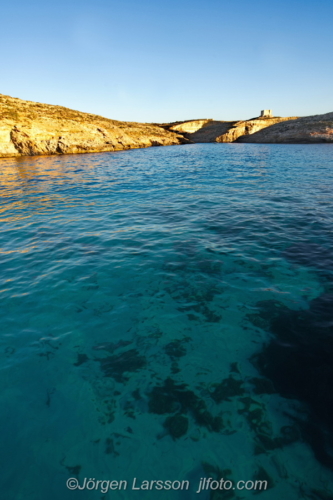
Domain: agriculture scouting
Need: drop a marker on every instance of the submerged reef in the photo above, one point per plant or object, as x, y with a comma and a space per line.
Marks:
117, 365
310, 254
299, 362
227, 389
177, 399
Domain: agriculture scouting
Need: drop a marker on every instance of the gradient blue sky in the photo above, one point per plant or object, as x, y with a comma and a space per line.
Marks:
173, 60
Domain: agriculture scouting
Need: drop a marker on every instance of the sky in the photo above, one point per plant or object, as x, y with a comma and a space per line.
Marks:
164, 61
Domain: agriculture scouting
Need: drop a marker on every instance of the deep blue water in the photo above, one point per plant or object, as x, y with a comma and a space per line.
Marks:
167, 313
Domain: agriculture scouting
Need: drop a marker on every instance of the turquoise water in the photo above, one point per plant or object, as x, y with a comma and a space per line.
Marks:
167, 314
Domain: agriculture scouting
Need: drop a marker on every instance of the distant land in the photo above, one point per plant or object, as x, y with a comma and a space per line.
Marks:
30, 128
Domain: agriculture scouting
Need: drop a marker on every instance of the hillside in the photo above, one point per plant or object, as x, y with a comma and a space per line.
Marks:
208, 130
31, 128
308, 129
249, 127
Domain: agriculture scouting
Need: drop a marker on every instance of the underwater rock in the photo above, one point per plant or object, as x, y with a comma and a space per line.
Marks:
315, 494
309, 254
299, 362
177, 425
228, 388
266, 311
234, 367
262, 385
73, 470
110, 448
175, 349
255, 415
216, 473
118, 365
262, 475
171, 398
81, 358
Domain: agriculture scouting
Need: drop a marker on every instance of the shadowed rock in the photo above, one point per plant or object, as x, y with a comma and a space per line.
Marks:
317, 128
248, 127
299, 362
177, 425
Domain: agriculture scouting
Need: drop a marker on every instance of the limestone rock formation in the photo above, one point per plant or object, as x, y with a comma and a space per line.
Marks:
308, 129
247, 127
210, 132
31, 128
190, 126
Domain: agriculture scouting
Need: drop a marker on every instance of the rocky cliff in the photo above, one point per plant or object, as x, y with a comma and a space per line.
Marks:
208, 130
190, 126
308, 129
248, 127
31, 128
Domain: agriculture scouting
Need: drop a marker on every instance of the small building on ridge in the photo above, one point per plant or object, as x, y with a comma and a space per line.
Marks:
267, 113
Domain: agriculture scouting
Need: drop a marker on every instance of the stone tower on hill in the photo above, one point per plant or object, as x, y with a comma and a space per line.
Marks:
267, 113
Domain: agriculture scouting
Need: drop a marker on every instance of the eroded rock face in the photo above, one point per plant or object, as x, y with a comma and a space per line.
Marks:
204, 130
210, 132
309, 129
248, 127
30, 128
191, 126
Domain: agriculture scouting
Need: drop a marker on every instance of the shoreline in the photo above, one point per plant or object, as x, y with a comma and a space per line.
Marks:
24, 157
33, 129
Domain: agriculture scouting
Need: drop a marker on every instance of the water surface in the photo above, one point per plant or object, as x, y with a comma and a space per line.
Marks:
166, 313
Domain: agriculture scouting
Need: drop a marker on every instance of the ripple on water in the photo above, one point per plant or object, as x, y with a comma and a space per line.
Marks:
171, 302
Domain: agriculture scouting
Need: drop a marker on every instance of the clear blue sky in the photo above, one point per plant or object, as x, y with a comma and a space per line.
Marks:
170, 60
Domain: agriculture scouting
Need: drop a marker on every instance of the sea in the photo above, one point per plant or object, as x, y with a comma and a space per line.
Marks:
167, 324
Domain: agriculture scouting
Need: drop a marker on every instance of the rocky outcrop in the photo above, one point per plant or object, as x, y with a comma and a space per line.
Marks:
191, 126
309, 129
210, 132
248, 127
30, 128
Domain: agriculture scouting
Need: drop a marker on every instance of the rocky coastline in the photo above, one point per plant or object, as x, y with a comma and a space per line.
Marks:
29, 128
305, 130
